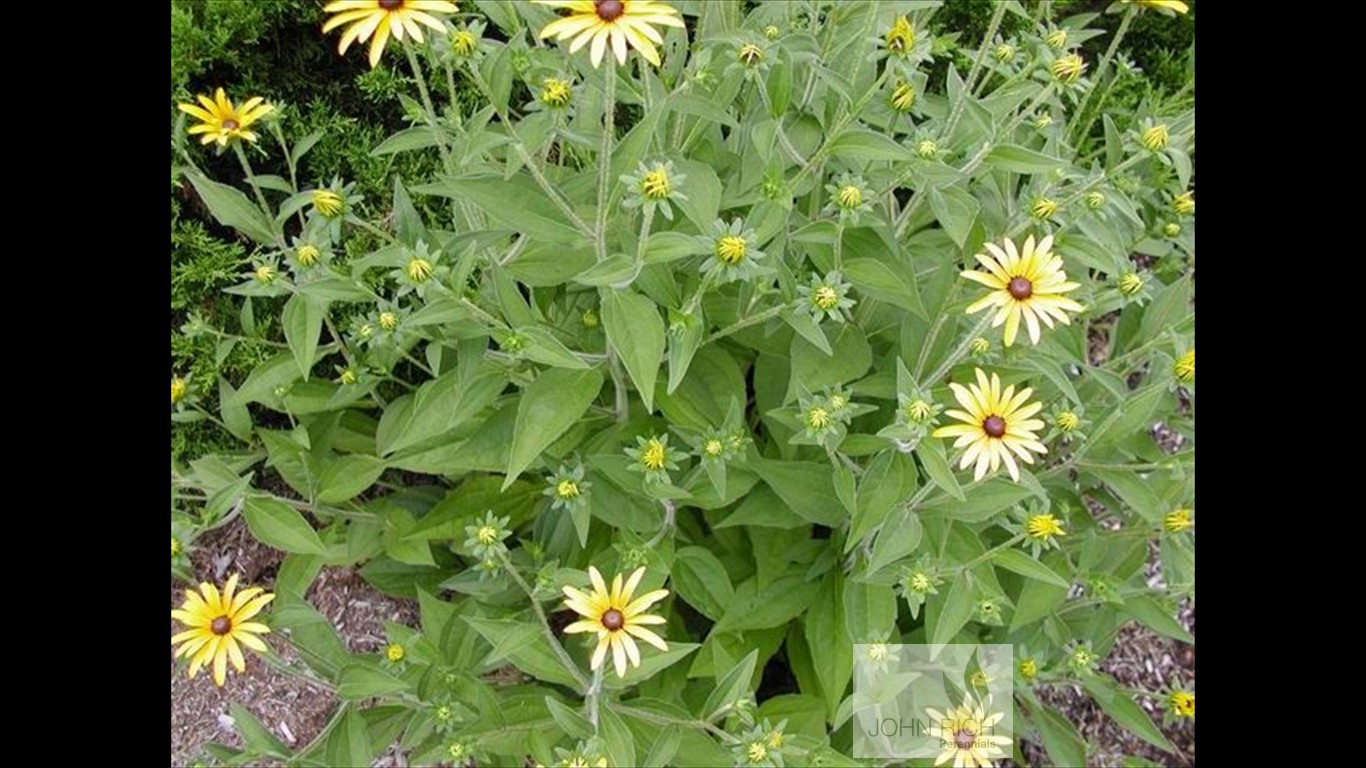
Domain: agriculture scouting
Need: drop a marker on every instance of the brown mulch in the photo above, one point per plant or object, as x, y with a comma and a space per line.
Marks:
294, 709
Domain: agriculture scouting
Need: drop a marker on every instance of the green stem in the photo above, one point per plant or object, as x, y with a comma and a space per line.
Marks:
985, 556
605, 159
839, 244
658, 719
251, 179
593, 695
427, 104
1100, 74
647, 218
745, 322
957, 353
670, 515
550, 637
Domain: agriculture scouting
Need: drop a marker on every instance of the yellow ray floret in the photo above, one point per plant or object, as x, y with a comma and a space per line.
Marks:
218, 625
617, 619
616, 21
376, 20
220, 121
998, 426
1025, 284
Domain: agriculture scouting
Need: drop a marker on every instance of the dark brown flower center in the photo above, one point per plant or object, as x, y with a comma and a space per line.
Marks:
613, 619
1020, 288
964, 739
609, 10
221, 625
391, 5
230, 125
995, 426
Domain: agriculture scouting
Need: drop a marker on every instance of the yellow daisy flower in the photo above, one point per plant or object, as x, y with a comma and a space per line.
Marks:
1184, 367
615, 617
966, 735
996, 424
618, 21
221, 121
1026, 284
217, 624
375, 20
1182, 704
1044, 526
1176, 6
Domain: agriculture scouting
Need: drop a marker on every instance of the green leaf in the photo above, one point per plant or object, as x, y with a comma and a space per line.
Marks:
543, 347
956, 210
730, 688
869, 611
1060, 737
406, 140
1125, 711
982, 502
233, 209
439, 406
889, 480
863, 144
524, 644
517, 204
774, 605
808, 329
1017, 159
1156, 617
701, 580
936, 462
1171, 305
704, 193
668, 246
898, 538
617, 740
365, 680
804, 486
281, 526
550, 405
883, 283
347, 477
256, 738
828, 641
573, 723
348, 743
310, 633
954, 610
1019, 562
636, 331
302, 321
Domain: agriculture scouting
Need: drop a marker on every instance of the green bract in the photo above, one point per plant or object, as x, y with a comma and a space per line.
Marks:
770, 396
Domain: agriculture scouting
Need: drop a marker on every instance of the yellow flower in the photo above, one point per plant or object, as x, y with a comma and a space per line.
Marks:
1056, 39
487, 535
567, 489
419, 270
817, 418
926, 149
878, 652
713, 448
1044, 526
307, 255
920, 581
375, 20
1026, 284
388, 321
328, 203
966, 734
730, 249
979, 346
903, 97
220, 121
996, 423
265, 273
1095, 200
615, 617
900, 38
556, 92
756, 752
825, 298
655, 184
750, 54
394, 653
918, 411
1068, 68
1184, 203
850, 196
775, 739
1044, 208
347, 376
217, 624
1178, 520
1171, 229
1162, 5
1184, 367
1004, 52
1068, 421
1182, 703
653, 457
463, 42
1130, 283
1029, 669
618, 21
175, 546
771, 32
1155, 138
179, 388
